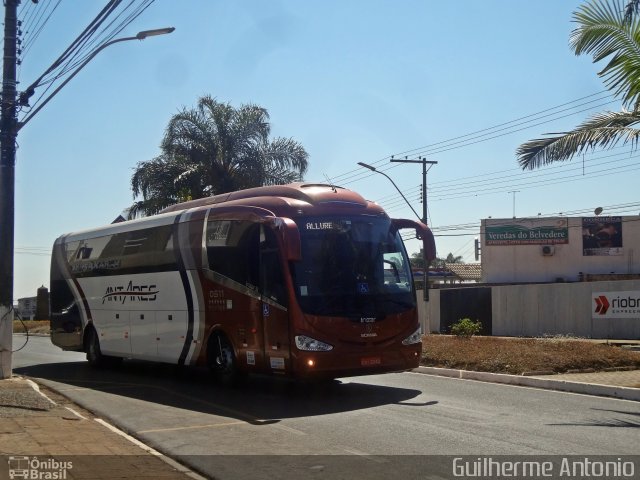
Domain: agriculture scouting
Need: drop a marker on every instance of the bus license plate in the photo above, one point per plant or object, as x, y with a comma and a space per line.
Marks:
370, 361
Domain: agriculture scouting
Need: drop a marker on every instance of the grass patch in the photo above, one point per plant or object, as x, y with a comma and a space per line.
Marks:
520, 355
34, 326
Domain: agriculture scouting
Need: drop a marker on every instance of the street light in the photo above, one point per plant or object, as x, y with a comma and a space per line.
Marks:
139, 36
373, 169
152, 33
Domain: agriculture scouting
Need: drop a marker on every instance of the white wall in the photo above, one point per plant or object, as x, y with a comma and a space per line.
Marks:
526, 263
424, 309
550, 309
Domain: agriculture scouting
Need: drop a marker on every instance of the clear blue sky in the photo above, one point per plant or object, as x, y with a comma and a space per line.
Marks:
352, 80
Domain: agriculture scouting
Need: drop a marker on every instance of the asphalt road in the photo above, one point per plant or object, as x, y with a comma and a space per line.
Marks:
355, 428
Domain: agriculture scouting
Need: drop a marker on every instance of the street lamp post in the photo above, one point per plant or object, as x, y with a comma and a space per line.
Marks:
373, 169
9, 127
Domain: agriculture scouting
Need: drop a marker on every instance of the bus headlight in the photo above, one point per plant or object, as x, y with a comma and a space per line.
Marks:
415, 337
311, 344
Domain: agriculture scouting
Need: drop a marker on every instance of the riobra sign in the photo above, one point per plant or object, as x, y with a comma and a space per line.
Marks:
616, 304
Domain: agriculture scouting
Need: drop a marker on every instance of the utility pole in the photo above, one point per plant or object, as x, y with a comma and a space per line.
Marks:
8, 132
424, 163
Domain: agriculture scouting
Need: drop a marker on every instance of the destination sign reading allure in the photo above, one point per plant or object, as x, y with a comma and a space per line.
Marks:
321, 226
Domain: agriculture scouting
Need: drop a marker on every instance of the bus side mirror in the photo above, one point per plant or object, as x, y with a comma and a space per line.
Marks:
422, 232
290, 238
428, 246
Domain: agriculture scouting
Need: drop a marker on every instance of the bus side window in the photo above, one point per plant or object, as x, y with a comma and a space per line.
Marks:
232, 250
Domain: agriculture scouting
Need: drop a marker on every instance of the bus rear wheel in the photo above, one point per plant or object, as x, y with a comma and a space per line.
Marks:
222, 360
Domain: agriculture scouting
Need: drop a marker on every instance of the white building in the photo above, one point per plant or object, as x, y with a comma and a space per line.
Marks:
27, 307
575, 276
559, 249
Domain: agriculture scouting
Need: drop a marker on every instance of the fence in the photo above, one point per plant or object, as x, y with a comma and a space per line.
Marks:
531, 309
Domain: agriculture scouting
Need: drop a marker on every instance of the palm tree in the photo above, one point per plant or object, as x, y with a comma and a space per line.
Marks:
607, 30
453, 259
632, 9
215, 148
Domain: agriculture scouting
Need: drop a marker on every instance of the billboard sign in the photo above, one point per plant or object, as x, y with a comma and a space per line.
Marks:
538, 231
615, 304
601, 236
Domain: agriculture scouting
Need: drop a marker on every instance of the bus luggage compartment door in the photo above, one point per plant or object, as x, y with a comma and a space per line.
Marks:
144, 342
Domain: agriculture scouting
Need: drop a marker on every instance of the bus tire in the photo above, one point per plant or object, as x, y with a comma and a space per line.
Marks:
222, 359
94, 353
92, 347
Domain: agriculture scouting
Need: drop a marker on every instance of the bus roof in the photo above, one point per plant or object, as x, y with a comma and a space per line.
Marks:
272, 199
312, 193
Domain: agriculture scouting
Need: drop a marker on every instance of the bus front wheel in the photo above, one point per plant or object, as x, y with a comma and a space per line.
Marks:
95, 356
222, 359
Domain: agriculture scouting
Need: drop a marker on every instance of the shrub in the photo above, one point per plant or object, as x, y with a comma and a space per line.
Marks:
466, 328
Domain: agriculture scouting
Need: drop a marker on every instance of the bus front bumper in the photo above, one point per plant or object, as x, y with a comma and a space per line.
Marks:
334, 364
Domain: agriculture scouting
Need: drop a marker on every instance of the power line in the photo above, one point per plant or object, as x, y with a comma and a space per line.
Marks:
544, 183
419, 150
464, 188
491, 136
616, 209
104, 27
455, 142
516, 172
38, 27
536, 116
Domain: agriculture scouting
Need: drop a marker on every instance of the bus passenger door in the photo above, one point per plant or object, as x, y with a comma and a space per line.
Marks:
275, 315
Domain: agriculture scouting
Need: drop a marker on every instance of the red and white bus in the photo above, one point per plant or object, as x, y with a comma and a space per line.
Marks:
304, 280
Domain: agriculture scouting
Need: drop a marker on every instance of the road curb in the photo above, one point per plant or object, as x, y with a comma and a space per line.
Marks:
624, 393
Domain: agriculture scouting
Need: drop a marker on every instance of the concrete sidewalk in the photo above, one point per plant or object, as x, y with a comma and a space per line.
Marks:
43, 431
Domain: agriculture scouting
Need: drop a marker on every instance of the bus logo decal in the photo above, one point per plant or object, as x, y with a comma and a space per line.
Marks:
134, 293
369, 333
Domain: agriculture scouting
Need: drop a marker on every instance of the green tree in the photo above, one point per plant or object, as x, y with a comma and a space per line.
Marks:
215, 148
606, 30
418, 262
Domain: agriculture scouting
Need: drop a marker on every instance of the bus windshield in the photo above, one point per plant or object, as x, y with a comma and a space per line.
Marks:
352, 266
